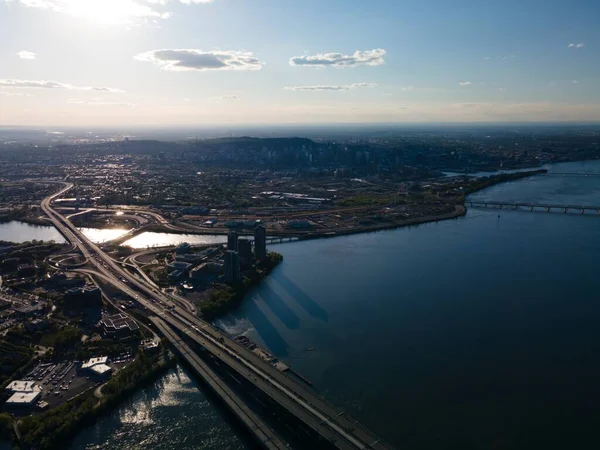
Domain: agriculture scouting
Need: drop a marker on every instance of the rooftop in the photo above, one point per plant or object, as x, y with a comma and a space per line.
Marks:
23, 398
94, 361
22, 386
101, 369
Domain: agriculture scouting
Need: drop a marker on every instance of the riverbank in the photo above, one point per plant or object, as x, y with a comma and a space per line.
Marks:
486, 182
20, 216
224, 299
50, 431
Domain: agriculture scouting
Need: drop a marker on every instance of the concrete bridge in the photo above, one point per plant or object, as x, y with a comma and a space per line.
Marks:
573, 174
581, 209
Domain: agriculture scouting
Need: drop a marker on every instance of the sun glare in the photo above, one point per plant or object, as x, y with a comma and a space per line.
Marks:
107, 12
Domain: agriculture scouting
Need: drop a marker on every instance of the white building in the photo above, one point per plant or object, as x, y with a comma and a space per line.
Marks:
22, 386
23, 399
101, 371
94, 361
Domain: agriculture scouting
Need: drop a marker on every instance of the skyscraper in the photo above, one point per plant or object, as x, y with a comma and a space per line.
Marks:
232, 241
245, 252
232, 267
260, 242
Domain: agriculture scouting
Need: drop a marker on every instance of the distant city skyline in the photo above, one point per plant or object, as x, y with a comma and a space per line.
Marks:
199, 62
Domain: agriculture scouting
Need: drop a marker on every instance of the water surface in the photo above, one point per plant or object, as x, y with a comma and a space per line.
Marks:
23, 232
474, 333
152, 239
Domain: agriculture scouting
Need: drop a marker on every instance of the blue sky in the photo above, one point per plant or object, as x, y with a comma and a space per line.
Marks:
187, 62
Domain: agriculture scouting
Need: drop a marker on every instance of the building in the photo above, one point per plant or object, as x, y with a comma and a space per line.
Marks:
232, 267
26, 270
24, 394
260, 242
176, 275
150, 346
23, 399
83, 298
36, 325
10, 264
183, 248
29, 310
118, 326
100, 371
245, 252
97, 368
192, 258
232, 241
180, 266
22, 386
87, 365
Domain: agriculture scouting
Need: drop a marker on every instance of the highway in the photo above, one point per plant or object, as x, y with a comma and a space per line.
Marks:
255, 425
326, 420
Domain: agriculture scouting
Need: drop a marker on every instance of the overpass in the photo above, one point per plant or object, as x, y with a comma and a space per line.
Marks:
331, 425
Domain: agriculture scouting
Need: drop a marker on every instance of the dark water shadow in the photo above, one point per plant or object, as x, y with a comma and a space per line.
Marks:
307, 303
265, 329
279, 307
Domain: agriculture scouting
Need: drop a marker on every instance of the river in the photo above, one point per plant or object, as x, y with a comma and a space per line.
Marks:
474, 333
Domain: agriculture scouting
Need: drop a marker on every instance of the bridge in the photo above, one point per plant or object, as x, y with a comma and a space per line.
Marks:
334, 428
581, 209
573, 174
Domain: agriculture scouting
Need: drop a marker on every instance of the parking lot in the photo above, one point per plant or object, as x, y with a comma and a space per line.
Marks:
61, 382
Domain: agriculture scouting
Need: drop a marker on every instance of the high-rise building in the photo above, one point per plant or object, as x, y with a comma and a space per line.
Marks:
245, 251
232, 241
232, 267
260, 242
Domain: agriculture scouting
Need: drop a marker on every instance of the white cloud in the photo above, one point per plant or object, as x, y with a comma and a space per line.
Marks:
15, 94
580, 45
53, 85
98, 102
574, 81
24, 54
487, 57
465, 83
193, 59
185, 2
343, 87
226, 97
358, 58
104, 12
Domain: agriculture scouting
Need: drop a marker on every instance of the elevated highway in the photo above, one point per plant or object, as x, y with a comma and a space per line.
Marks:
332, 425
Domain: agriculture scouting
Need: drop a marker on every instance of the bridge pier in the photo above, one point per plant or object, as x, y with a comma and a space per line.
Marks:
565, 211
547, 209
582, 211
531, 207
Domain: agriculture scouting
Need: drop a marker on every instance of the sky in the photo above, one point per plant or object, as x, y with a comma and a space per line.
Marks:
199, 62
